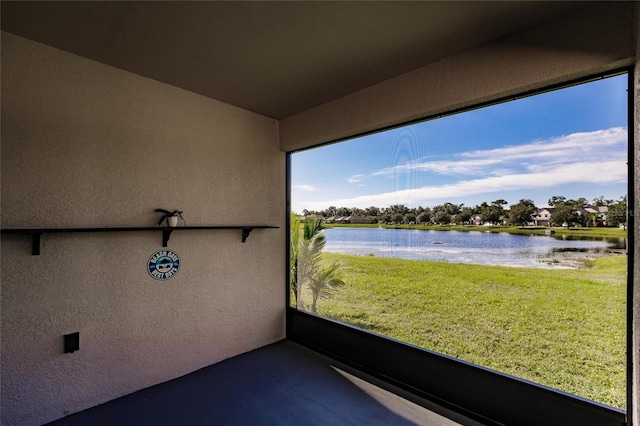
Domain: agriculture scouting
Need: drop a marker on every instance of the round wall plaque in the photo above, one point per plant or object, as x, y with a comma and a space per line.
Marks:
163, 264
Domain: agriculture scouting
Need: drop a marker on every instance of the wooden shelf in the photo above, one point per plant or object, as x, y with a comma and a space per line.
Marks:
166, 232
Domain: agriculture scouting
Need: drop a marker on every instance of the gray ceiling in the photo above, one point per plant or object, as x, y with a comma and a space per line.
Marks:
274, 58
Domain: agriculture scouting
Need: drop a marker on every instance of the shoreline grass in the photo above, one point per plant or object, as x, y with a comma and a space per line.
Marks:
560, 328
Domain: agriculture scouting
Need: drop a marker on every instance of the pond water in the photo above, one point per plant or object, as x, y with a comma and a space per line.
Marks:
470, 247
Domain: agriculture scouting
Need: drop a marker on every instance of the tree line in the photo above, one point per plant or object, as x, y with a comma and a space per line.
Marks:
563, 211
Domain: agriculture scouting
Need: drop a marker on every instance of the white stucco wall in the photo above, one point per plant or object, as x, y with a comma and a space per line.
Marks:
87, 145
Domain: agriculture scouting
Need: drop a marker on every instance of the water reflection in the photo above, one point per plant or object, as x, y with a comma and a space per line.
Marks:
614, 243
472, 247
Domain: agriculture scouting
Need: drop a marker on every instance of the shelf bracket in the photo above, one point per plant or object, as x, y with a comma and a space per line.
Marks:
245, 233
166, 234
35, 243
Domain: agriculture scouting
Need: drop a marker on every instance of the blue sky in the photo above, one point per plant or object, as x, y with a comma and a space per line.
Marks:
570, 142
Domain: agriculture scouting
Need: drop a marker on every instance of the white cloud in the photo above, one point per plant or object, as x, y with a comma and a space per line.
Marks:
305, 188
502, 172
583, 144
576, 147
449, 167
355, 179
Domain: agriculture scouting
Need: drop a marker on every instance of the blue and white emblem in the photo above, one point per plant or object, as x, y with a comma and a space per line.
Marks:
163, 264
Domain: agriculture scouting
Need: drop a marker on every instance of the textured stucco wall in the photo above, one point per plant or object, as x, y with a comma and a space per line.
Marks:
86, 145
597, 39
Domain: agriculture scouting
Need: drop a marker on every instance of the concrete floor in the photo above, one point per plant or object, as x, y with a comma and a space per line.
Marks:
281, 384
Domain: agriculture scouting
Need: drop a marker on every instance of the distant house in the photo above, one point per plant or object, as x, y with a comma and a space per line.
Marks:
476, 219
350, 219
542, 217
596, 215
356, 219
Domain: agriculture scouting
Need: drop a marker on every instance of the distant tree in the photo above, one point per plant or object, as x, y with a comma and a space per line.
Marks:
357, 212
556, 199
580, 203
465, 215
599, 201
397, 217
492, 214
451, 208
617, 213
592, 219
580, 218
372, 211
398, 208
409, 218
520, 213
343, 211
385, 218
423, 217
583, 218
331, 211
564, 213
441, 217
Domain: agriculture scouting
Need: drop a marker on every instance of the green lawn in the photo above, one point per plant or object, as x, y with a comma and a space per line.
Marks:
561, 328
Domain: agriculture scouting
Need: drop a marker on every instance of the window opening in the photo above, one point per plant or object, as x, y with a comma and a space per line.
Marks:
496, 236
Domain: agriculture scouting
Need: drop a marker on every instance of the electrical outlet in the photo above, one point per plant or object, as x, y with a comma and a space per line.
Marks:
71, 342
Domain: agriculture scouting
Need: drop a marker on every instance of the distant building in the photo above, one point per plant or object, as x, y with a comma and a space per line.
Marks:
596, 215
542, 217
354, 219
476, 219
